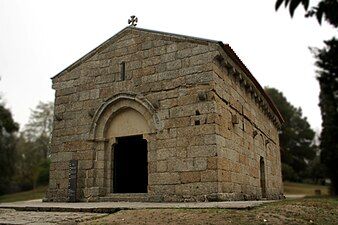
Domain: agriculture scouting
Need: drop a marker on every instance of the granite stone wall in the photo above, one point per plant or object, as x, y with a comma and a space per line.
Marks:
245, 133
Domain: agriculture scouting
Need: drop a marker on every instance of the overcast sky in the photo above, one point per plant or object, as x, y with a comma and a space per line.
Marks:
39, 38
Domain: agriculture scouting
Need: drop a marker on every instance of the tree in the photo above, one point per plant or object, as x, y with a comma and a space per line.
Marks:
39, 126
296, 138
326, 8
317, 171
327, 62
7, 147
27, 161
33, 148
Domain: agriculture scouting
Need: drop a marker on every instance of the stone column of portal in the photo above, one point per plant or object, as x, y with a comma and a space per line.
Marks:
109, 159
151, 155
94, 181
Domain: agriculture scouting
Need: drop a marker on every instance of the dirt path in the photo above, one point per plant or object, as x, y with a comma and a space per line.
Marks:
300, 211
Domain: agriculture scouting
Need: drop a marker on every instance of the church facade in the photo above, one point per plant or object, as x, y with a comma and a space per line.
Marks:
154, 116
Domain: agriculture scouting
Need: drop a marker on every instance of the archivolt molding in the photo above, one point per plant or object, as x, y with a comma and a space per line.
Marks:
114, 105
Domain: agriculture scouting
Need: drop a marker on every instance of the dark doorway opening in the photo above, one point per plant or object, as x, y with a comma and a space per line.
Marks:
130, 173
262, 177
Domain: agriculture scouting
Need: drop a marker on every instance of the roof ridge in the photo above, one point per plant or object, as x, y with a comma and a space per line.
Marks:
174, 34
93, 51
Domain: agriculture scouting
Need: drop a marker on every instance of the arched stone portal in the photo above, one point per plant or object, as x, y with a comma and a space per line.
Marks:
127, 122
121, 119
129, 103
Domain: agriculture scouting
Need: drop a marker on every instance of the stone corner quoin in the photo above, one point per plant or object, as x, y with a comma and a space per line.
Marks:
163, 117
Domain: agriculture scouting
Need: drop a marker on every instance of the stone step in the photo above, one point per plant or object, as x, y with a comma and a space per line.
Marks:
125, 197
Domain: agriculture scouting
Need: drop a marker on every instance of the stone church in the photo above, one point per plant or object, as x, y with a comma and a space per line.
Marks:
155, 116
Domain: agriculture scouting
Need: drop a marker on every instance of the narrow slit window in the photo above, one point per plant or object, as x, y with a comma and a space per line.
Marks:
122, 71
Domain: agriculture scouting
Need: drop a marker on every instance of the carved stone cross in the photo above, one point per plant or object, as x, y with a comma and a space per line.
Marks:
133, 21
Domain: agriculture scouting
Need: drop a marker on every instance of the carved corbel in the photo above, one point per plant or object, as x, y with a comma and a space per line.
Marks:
240, 77
156, 104
219, 58
234, 119
91, 112
232, 71
254, 133
58, 117
246, 85
228, 65
202, 96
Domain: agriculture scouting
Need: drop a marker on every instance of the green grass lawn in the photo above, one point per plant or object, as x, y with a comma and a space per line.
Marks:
304, 189
37, 193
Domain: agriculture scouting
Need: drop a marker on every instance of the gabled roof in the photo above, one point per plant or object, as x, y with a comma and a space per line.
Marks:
226, 47
119, 34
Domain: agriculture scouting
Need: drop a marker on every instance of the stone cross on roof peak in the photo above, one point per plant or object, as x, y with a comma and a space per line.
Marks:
133, 21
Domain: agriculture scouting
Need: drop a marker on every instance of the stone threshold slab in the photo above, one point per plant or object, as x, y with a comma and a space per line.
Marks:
111, 207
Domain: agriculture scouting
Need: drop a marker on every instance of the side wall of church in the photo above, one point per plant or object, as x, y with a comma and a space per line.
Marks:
244, 135
174, 75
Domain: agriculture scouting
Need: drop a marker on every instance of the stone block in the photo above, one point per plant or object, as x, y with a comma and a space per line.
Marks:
174, 65
152, 167
167, 75
199, 78
62, 156
161, 50
147, 45
172, 48
209, 176
168, 57
224, 176
200, 164
212, 163
190, 177
86, 164
202, 151
200, 188
163, 154
200, 49
184, 53
163, 178
162, 189
162, 166
181, 164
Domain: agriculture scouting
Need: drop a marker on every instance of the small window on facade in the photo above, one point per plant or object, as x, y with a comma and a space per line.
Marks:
122, 71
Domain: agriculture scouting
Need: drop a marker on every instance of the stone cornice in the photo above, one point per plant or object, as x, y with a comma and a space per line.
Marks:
242, 69
246, 83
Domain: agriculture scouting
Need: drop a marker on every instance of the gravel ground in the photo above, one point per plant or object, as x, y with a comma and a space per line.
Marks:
10, 216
